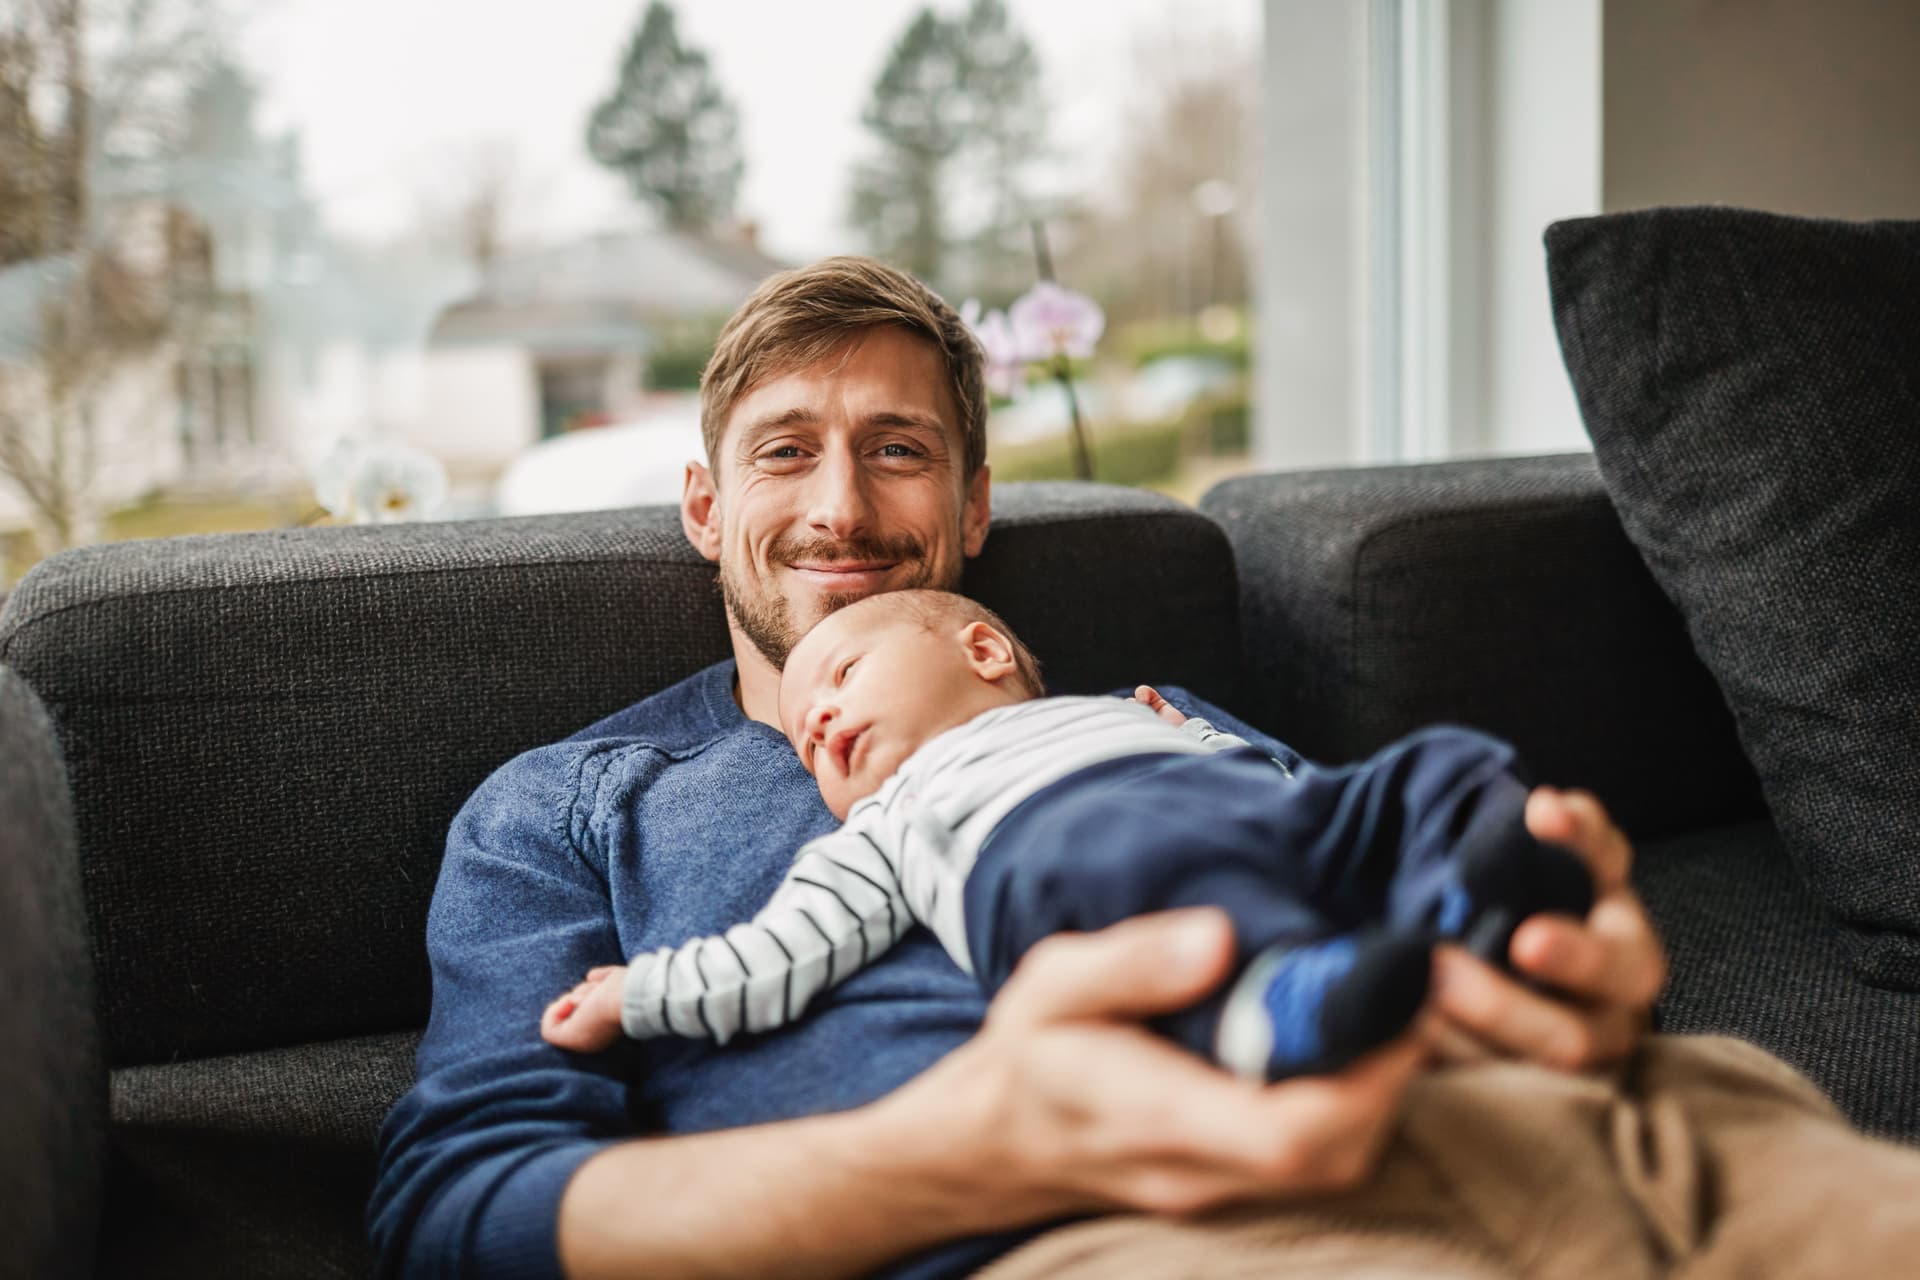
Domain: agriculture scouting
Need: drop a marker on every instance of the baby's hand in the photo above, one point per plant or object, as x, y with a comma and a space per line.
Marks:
1148, 696
587, 1018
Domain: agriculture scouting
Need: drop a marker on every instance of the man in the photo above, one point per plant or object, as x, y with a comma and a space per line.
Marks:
844, 418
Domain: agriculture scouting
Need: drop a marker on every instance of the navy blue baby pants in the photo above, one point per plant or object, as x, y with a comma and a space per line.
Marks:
1290, 859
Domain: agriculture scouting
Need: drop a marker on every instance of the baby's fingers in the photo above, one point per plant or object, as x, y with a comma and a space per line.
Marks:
1149, 697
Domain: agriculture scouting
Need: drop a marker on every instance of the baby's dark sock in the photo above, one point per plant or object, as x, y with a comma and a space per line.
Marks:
1505, 875
1311, 1008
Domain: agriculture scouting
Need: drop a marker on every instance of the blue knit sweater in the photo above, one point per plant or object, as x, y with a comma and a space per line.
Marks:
673, 818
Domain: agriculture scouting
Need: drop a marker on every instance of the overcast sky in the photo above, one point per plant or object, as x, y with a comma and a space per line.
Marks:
387, 96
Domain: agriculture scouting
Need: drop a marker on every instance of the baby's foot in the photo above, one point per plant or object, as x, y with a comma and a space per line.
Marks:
1301, 1010
587, 1018
1505, 875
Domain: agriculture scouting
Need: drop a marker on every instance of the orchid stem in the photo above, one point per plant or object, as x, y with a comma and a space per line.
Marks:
1082, 456
1062, 367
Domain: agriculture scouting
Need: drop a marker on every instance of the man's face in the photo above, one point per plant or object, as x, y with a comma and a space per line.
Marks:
866, 688
836, 482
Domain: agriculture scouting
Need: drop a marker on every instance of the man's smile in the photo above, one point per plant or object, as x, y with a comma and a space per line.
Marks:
844, 575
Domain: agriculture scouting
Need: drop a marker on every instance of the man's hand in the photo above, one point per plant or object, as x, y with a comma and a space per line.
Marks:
1608, 968
587, 1018
1062, 1103
1065, 1103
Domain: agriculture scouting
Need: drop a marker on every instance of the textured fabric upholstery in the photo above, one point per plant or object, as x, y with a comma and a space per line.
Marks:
262, 1160
1754, 957
53, 1090
269, 733
1752, 386
1499, 594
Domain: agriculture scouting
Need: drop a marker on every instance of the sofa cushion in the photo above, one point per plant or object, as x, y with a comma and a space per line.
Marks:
268, 734
1754, 957
1752, 386
1500, 593
260, 1160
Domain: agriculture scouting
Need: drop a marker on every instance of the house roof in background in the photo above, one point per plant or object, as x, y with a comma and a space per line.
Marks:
605, 291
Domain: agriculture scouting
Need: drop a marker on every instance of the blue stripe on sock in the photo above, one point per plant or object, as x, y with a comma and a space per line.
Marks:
1297, 994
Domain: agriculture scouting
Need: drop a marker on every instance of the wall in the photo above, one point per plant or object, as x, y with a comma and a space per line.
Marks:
1544, 135
1557, 109
1790, 105
1309, 393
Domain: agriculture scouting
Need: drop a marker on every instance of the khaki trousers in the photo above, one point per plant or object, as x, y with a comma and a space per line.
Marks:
1699, 1158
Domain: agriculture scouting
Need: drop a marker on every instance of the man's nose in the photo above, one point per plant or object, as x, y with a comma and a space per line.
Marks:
839, 504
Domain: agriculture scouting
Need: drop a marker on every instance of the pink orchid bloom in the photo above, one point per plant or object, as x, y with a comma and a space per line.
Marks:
1006, 363
1050, 321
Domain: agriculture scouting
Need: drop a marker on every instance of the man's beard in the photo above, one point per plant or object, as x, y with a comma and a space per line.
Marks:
766, 617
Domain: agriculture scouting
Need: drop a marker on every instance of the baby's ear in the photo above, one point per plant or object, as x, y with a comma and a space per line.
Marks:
989, 653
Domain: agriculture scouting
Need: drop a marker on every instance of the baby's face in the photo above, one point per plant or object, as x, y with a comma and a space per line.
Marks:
865, 688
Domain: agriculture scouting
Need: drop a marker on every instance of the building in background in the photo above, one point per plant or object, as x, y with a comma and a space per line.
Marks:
586, 333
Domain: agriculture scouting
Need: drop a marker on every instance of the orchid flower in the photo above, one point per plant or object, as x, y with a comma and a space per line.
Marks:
1050, 322
379, 483
1006, 362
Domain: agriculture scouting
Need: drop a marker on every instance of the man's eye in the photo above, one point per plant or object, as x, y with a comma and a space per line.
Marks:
897, 450
784, 451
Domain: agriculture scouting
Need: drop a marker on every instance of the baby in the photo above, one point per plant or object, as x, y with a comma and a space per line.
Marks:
994, 815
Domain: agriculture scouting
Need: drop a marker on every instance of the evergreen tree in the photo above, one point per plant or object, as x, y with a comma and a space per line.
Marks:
668, 129
917, 113
1007, 134
957, 113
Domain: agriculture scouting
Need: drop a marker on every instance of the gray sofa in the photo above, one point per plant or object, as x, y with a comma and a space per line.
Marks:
265, 736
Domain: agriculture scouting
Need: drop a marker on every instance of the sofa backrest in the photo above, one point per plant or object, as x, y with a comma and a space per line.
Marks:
267, 734
1500, 593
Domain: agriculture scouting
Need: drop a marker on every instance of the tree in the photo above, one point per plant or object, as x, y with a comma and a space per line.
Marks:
668, 129
89, 286
957, 112
1170, 243
478, 199
916, 113
1001, 75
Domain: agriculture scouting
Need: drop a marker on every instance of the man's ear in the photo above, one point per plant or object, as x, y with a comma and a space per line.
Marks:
988, 652
977, 512
700, 511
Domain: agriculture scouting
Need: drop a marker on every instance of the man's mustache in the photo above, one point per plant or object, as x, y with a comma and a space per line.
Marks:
855, 550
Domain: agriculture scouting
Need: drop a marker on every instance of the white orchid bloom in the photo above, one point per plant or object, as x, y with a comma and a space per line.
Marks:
395, 482
333, 477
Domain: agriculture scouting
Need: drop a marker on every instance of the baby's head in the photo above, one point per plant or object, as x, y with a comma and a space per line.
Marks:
873, 681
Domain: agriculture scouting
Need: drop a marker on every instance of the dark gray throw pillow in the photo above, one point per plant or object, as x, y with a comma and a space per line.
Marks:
1752, 386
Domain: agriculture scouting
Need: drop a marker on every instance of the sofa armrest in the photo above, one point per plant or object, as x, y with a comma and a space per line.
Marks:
1499, 593
53, 1088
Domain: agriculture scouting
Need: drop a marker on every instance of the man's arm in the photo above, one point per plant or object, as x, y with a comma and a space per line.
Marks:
1062, 1104
1610, 967
475, 1157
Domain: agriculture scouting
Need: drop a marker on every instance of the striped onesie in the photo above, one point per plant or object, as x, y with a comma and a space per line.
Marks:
901, 857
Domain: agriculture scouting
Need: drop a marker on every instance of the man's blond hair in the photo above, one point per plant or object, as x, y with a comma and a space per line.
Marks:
798, 318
